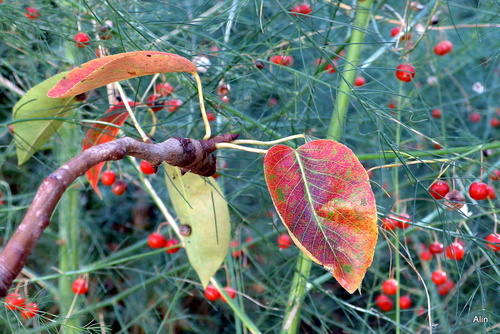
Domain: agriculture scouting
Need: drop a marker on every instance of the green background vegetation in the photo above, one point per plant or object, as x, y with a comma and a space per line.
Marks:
134, 289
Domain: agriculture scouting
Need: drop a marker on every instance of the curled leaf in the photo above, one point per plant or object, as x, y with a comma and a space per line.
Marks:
323, 196
103, 133
105, 70
37, 117
199, 204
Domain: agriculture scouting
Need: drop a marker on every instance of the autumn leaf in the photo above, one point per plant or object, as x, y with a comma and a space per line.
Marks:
103, 133
199, 203
105, 70
323, 196
37, 117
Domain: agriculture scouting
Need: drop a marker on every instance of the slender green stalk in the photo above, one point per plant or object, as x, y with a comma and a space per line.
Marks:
291, 322
350, 68
69, 231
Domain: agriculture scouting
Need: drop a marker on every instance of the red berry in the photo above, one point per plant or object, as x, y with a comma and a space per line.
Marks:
391, 105
390, 286
443, 48
156, 240
405, 72
174, 243
455, 251
495, 175
388, 224
436, 113
146, 168
211, 293
404, 217
494, 122
405, 302
491, 193
230, 291
436, 247
421, 311
360, 81
475, 117
108, 177
30, 311
81, 40
304, 8
445, 288
32, 13
439, 189
331, 68
384, 303
284, 241
223, 89
494, 242
152, 101
119, 187
395, 31
235, 252
173, 104
439, 277
281, 60
14, 301
210, 117
478, 191
164, 89
426, 255
80, 286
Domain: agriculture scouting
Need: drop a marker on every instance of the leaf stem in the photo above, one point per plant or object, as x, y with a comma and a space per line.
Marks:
208, 131
273, 142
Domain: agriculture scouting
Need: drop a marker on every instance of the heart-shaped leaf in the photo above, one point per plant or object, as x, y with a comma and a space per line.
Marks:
200, 204
103, 133
36, 117
105, 70
323, 196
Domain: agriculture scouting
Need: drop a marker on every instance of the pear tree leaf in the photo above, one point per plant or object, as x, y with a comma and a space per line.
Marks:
323, 196
199, 203
37, 117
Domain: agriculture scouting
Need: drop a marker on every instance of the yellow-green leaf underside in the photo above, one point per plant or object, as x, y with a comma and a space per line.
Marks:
36, 117
199, 203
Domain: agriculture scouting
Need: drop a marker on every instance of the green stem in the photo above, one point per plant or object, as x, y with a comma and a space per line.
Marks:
291, 321
350, 68
69, 230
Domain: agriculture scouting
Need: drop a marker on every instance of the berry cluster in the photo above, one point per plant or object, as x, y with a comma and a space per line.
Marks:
16, 302
157, 240
212, 294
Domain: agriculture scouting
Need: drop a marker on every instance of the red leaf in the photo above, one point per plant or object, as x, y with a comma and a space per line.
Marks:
324, 198
100, 134
105, 70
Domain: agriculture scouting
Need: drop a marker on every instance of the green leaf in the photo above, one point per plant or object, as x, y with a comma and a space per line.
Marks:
199, 203
31, 132
323, 196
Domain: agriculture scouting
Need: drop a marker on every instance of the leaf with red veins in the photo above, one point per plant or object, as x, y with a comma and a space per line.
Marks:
324, 198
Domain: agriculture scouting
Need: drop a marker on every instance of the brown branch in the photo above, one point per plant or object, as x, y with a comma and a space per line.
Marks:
189, 154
